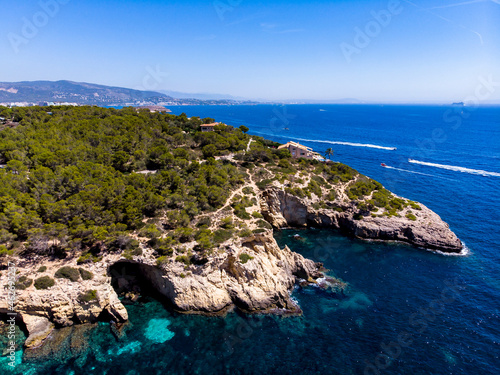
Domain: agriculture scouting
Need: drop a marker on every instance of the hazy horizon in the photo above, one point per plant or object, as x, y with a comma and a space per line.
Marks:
371, 51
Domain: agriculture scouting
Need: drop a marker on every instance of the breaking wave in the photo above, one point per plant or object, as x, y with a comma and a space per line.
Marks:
456, 169
465, 252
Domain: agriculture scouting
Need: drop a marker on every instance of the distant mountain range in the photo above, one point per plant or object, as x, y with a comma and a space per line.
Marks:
201, 96
75, 92
93, 94
37, 92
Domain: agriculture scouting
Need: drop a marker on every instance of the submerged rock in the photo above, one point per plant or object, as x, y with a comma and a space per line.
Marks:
158, 332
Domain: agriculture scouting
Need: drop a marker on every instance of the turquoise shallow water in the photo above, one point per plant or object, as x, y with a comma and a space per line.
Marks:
406, 311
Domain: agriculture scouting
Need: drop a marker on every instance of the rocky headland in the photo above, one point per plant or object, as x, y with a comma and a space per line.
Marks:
425, 229
249, 272
195, 228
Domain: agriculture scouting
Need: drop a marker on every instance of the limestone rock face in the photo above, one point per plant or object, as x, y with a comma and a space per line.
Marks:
259, 281
260, 284
427, 230
39, 328
60, 305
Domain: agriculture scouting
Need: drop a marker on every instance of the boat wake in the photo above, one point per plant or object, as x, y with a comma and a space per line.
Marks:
347, 143
456, 169
413, 172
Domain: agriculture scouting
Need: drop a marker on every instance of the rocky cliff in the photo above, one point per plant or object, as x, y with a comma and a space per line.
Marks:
61, 304
247, 271
252, 273
419, 227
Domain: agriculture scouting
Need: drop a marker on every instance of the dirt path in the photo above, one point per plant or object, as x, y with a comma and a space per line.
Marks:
251, 184
249, 143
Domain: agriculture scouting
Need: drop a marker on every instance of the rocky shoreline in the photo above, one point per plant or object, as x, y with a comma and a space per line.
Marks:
425, 230
260, 285
251, 273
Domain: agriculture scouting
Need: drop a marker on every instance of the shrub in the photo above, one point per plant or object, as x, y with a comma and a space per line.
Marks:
241, 212
365, 206
264, 224
227, 223
397, 203
184, 234
4, 251
161, 260
44, 282
67, 272
314, 187
338, 171
204, 221
129, 254
257, 215
204, 242
363, 187
415, 206
332, 195
244, 257
259, 230
248, 190
86, 275
380, 198
183, 259
162, 246
298, 192
320, 180
222, 235
150, 231
264, 183
410, 216
42, 269
209, 151
89, 295
245, 233
23, 283
87, 258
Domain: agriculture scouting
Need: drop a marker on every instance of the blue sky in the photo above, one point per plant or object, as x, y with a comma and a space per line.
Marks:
384, 51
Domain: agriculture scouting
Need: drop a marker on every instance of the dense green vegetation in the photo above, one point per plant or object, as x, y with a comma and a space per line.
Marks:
82, 181
69, 184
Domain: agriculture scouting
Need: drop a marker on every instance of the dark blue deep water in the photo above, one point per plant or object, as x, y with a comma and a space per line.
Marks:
406, 311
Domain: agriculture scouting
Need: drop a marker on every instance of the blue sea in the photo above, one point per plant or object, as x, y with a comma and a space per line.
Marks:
405, 311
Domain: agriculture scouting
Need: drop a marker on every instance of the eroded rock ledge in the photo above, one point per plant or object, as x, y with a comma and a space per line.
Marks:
426, 229
262, 283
